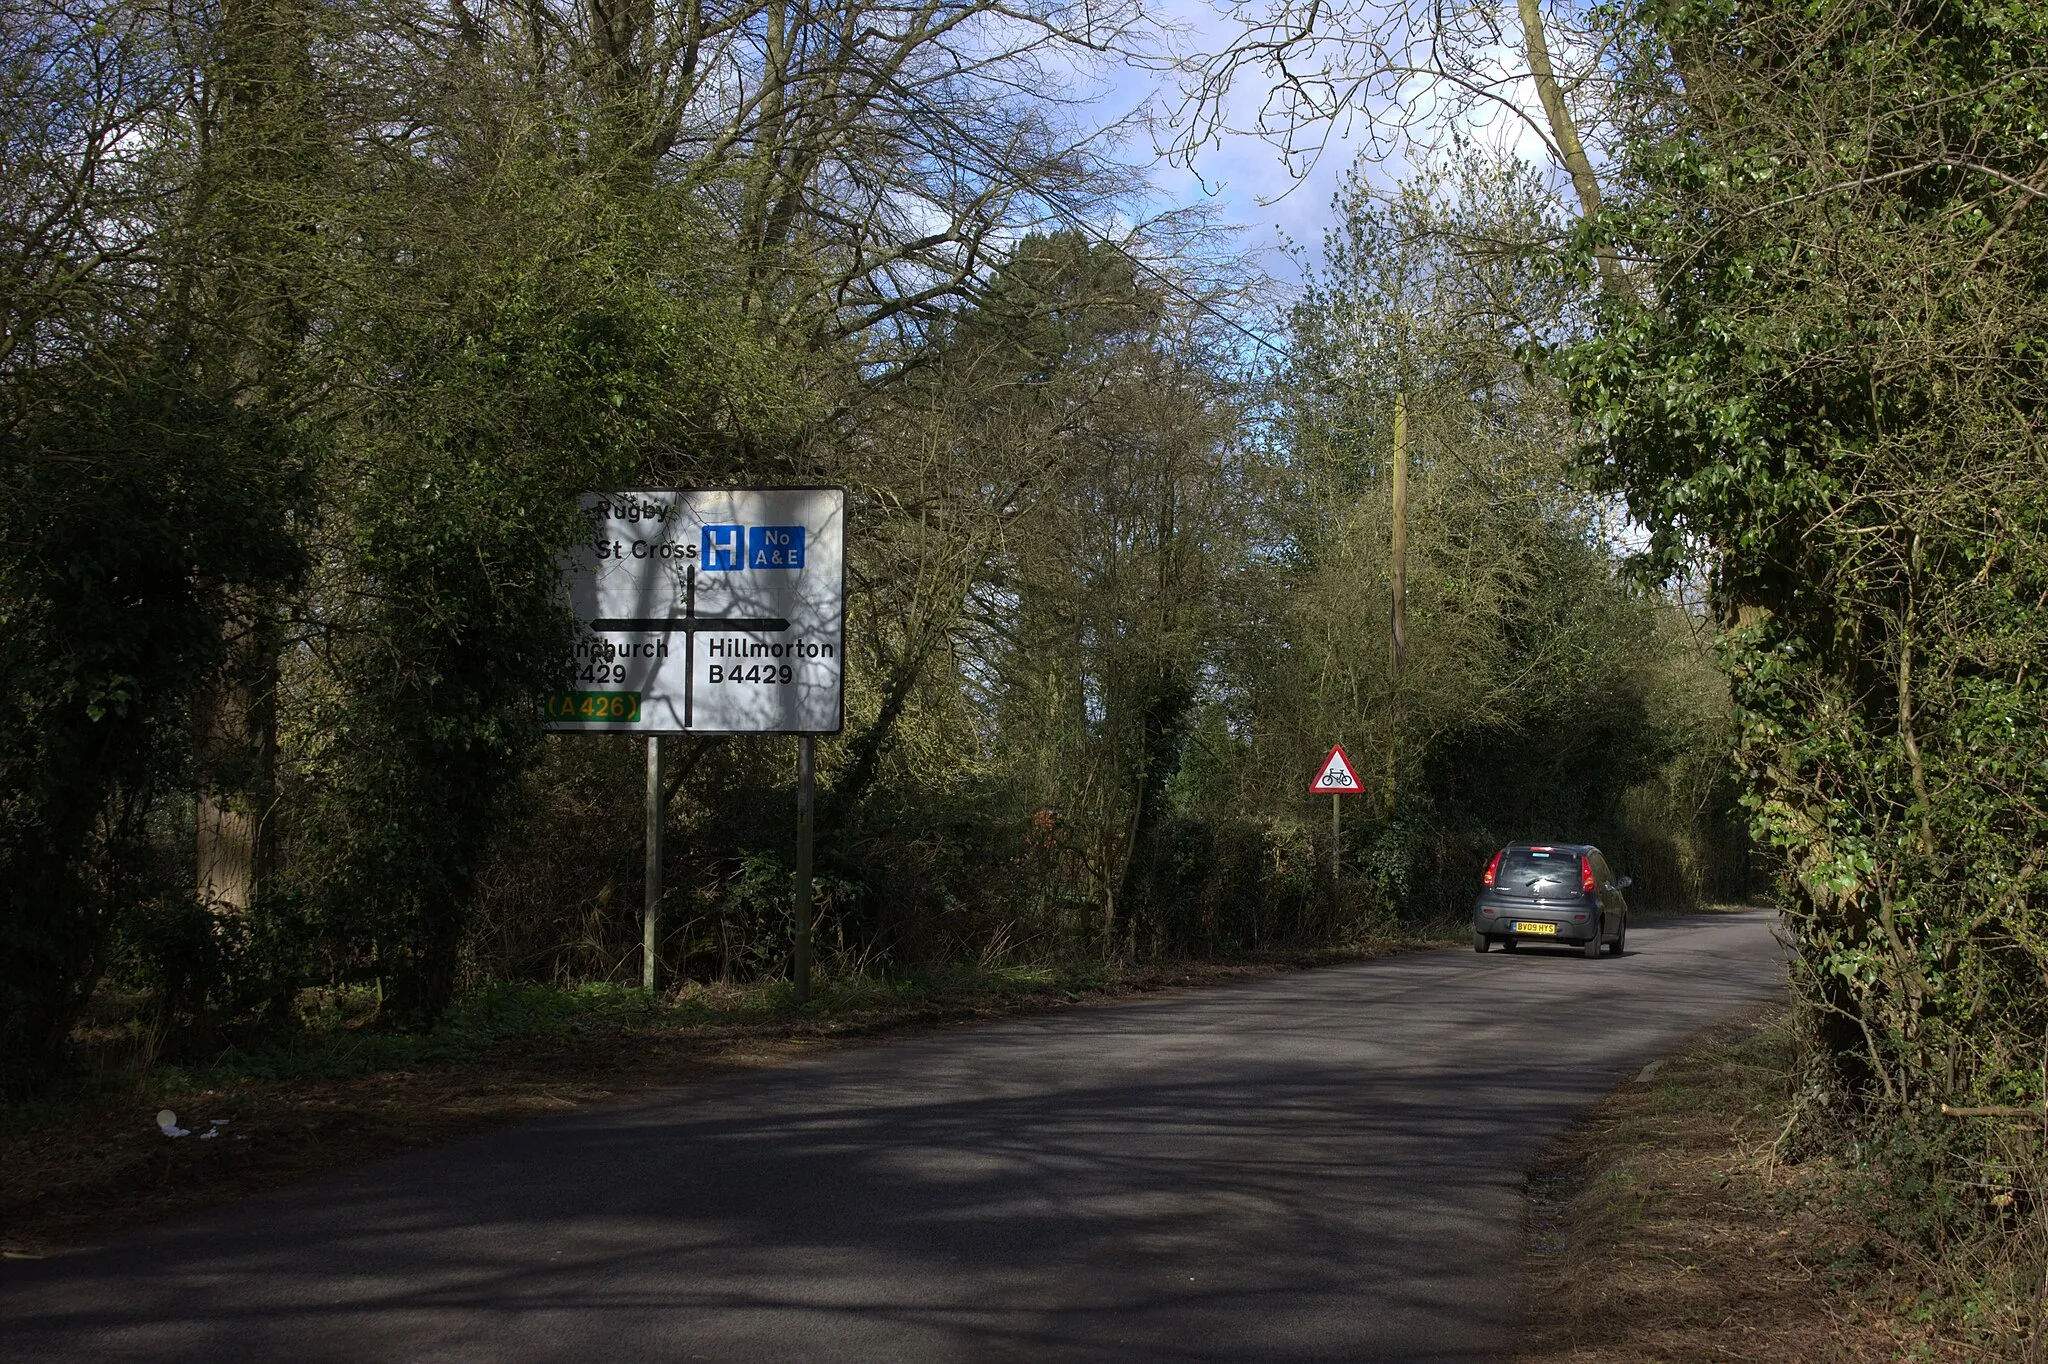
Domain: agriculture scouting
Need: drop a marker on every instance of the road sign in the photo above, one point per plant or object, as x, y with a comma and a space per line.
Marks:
1336, 778
715, 611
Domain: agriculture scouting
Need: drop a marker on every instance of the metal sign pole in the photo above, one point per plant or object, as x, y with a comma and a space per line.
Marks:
1338, 777
761, 574
806, 806
650, 921
690, 647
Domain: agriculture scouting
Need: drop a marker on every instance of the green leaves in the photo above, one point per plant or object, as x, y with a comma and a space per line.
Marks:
1822, 408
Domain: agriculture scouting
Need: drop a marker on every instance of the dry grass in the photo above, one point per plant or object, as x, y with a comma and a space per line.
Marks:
1682, 1239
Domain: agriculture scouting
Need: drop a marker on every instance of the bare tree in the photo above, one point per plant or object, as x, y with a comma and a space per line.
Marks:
86, 95
1404, 76
863, 157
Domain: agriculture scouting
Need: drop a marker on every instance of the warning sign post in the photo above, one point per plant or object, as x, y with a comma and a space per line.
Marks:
1336, 777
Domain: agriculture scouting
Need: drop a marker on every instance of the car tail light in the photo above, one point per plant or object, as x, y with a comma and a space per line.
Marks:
1586, 875
1493, 867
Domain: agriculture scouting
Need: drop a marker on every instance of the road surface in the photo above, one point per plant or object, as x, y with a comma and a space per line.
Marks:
1324, 1165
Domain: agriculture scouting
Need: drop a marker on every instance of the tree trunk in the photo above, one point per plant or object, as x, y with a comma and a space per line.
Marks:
1565, 132
1161, 722
255, 224
867, 748
235, 755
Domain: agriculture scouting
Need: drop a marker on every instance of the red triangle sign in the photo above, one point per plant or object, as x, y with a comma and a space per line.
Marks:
1336, 777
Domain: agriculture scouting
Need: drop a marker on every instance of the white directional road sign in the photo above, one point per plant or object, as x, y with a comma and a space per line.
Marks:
718, 611
1336, 778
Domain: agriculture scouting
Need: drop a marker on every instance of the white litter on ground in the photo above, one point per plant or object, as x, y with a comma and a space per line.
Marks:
1649, 1072
167, 1123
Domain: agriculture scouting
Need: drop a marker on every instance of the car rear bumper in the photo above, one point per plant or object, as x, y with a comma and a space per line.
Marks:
1501, 923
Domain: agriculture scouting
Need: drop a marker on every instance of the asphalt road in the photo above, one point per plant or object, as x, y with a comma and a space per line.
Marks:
1324, 1165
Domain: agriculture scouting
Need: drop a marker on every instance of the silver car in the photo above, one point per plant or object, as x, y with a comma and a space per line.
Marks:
1551, 893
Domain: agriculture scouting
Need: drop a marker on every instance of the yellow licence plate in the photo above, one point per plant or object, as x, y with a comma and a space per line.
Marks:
1523, 926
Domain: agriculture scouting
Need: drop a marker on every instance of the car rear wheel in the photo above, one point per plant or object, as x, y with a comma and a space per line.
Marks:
1620, 937
1480, 942
1593, 948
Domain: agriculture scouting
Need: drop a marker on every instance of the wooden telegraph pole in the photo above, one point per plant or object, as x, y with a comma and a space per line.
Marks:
1400, 575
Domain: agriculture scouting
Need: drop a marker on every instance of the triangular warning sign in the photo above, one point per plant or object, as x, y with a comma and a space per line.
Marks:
1336, 777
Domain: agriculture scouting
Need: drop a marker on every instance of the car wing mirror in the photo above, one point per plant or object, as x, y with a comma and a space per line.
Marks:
1624, 883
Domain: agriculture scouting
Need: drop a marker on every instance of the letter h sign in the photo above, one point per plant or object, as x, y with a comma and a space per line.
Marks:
722, 548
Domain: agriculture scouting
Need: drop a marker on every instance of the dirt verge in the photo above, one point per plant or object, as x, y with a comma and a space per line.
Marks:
1662, 1228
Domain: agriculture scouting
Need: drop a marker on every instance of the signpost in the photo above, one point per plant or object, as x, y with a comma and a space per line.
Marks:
1337, 778
713, 611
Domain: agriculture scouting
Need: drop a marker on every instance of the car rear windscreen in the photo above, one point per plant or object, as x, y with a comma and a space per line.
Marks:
1538, 872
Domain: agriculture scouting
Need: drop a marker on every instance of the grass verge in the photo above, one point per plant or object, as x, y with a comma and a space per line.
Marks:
89, 1163
1663, 1228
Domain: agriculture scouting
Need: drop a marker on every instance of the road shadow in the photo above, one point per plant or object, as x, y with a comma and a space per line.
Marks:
1325, 1166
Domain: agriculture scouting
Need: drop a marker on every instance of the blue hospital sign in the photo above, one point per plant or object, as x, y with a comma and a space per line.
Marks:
721, 548
775, 547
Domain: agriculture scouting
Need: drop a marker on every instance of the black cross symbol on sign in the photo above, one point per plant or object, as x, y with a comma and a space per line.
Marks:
695, 625
689, 625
